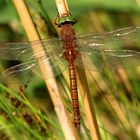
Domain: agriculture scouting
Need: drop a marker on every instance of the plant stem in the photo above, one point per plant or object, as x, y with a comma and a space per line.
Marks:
88, 105
62, 115
63, 10
62, 7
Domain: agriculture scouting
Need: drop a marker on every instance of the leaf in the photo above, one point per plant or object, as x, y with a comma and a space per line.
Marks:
7, 12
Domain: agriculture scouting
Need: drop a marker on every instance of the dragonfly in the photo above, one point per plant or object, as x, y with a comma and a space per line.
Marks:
95, 50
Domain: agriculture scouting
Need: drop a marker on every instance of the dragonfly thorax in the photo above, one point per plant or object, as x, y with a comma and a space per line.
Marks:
69, 42
70, 55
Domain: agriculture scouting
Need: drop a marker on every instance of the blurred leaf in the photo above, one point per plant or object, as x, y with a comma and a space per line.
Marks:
7, 12
80, 7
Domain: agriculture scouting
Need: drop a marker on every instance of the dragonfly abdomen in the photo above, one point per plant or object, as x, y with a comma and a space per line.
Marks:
74, 94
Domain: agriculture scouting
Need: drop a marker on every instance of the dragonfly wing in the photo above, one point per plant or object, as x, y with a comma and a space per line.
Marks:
21, 72
119, 58
26, 69
57, 65
23, 51
110, 48
91, 61
99, 59
126, 37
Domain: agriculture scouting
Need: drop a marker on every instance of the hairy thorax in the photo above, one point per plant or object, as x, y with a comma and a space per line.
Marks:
69, 42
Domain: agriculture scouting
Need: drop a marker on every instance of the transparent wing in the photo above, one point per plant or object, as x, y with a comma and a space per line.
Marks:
25, 70
94, 60
111, 48
113, 39
23, 51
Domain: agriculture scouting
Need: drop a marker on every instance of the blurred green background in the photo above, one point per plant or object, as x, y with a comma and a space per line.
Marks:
115, 95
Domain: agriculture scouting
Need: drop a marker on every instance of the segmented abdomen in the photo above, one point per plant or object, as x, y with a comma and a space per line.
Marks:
74, 94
